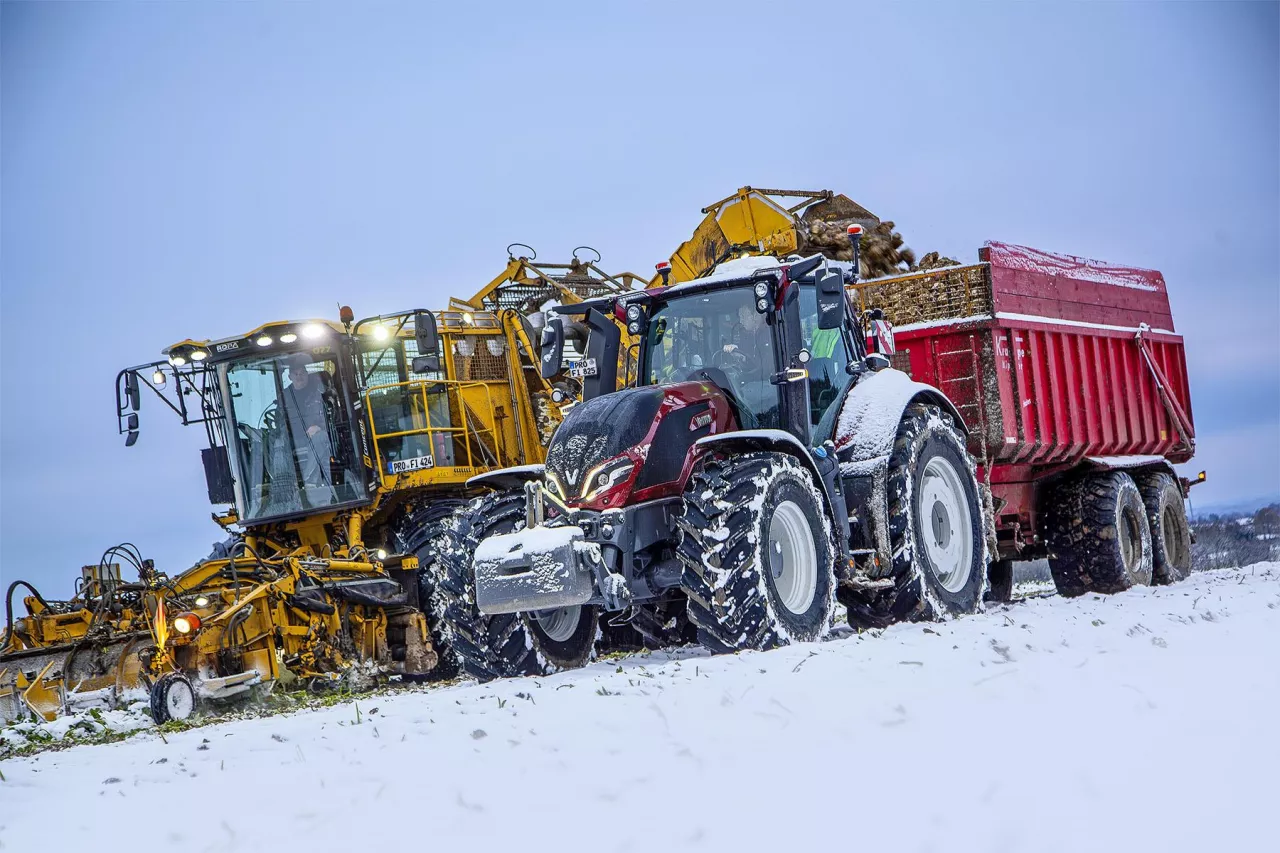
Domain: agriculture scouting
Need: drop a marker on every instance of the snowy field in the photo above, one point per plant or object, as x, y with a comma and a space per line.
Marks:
1144, 721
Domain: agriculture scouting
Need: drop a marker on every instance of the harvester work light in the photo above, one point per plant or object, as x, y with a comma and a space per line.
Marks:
312, 331
186, 623
288, 338
264, 341
199, 355
157, 378
177, 360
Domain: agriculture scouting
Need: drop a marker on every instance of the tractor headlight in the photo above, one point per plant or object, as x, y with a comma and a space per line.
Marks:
633, 328
606, 476
186, 623
553, 486
762, 305
633, 312
762, 289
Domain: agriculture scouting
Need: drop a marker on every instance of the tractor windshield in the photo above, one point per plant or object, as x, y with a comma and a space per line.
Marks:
293, 444
717, 336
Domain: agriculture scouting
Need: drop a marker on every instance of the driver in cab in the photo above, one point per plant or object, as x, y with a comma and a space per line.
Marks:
752, 347
304, 400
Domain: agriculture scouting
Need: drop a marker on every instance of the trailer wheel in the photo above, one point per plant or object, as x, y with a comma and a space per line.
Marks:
1099, 535
935, 527
757, 554
172, 698
508, 644
1170, 531
419, 533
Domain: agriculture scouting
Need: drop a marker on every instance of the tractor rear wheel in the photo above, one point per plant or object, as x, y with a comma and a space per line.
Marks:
1098, 533
509, 644
757, 553
1170, 530
936, 530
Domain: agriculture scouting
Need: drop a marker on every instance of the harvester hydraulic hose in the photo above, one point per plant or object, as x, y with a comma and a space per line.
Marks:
8, 605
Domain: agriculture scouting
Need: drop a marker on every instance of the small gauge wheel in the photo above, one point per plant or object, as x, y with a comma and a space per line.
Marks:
172, 698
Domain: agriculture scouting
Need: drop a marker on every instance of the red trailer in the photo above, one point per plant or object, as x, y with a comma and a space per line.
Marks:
1064, 369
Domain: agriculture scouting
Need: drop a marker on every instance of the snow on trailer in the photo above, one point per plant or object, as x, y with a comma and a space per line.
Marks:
1057, 364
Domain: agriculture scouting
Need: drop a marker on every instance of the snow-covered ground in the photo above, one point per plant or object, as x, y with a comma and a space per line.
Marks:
1142, 721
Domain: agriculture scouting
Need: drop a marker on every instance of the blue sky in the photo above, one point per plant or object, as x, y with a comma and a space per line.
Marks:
175, 170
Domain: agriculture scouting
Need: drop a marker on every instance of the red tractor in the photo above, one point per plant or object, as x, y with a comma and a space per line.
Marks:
730, 493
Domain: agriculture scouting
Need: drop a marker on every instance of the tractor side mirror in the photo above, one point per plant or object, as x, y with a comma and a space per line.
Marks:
131, 392
427, 338
552, 347
131, 438
831, 300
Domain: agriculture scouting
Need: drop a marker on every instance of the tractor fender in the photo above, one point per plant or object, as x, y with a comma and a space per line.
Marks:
872, 410
506, 478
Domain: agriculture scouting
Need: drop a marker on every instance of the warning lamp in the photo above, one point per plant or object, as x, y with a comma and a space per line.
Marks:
186, 623
855, 230
346, 315
158, 378
664, 270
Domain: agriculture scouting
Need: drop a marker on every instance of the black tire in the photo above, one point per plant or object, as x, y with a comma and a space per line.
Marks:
730, 576
509, 644
172, 698
1170, 530
1098, 534
927, 441
419, 532
999, 582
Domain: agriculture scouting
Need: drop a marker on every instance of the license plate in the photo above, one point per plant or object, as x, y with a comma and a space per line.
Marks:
584, 368
417, 463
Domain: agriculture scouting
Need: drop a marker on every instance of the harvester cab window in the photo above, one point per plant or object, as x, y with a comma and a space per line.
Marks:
828, 356
406, 409
292, 435
717, 336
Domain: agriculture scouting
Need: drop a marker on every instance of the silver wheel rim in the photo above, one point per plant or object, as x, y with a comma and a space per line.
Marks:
558, 624
179, 701
1131, 543
947, 524
793, 557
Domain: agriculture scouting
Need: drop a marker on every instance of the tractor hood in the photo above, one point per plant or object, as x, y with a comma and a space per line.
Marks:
633, 444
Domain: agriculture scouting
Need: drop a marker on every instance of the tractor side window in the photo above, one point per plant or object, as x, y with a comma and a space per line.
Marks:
828, 379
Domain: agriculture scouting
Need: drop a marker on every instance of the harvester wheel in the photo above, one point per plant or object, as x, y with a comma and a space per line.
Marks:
419, 533
1170, 531
757, 553
1098, 534
172, 698
935, 527
508, 644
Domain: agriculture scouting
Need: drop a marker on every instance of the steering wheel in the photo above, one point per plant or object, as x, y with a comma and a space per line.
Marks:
267, 421
733, 360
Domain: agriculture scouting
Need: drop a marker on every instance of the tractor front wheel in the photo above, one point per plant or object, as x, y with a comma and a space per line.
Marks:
757, 553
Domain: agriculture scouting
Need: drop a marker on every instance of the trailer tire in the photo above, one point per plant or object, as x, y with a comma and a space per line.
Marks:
1170, 530
931, 579
509, 644
1098, 533
419, 533
742, 595
172, 698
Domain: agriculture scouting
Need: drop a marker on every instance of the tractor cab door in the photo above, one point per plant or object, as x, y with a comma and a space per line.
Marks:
828, 375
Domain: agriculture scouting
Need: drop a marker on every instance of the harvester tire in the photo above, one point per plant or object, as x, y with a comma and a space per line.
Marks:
509, 644
936, 528
1098, 535
1170, 530
757, 553
172, 698
419, 532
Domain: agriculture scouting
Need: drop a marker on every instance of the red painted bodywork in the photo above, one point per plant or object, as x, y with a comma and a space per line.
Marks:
675, 397
1056, 373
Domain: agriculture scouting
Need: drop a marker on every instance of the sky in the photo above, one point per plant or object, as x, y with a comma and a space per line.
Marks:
192, 170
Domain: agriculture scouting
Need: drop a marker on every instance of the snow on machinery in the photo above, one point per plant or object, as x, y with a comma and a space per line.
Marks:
738, 496
340, 447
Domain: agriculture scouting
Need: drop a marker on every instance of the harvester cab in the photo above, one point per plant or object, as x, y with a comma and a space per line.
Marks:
723, 488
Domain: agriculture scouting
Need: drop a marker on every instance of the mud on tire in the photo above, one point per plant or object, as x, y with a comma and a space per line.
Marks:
757, 554
1098, 533
1170, 531
935, 527
508, 644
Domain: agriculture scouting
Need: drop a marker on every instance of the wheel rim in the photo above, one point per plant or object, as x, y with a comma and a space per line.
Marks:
1171, 532
947, 524
793, 557
179, 701
1130, 540
558, 624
